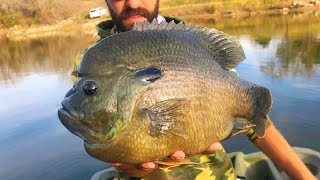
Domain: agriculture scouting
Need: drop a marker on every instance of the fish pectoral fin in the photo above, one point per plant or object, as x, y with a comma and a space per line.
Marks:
241, 125
164, 116
173, 162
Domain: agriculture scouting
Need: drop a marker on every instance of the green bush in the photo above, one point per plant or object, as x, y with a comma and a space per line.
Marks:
8, 19
36, 17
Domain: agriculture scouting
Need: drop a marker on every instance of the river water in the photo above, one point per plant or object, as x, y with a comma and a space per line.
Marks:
283, 54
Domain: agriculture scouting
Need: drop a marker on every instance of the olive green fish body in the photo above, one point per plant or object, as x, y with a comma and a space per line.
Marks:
147, 93
202, 123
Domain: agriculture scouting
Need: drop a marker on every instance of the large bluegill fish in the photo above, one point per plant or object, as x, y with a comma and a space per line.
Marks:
144, 94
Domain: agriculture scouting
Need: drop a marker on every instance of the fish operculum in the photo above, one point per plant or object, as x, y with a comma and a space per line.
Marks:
108, 125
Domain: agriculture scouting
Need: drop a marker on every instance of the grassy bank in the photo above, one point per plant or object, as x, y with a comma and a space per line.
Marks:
191, 9
34, 12
29, 23
30, 12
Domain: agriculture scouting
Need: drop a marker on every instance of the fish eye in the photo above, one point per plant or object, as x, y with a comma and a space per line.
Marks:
90, 87
149, 74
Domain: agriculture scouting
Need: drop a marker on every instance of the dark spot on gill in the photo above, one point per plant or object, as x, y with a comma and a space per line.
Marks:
149, 74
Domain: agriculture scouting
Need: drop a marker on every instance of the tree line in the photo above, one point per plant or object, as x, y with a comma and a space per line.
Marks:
29, 12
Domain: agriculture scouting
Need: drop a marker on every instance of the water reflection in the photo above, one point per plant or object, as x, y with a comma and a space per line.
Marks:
44, 56
298, 50
296, 56
34, 76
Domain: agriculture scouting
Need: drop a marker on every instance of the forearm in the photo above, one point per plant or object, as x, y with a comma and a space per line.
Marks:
282, 155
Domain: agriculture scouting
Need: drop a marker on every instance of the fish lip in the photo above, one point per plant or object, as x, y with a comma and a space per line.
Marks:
71, 111
90, 144
65, 116
74, 120
73, 124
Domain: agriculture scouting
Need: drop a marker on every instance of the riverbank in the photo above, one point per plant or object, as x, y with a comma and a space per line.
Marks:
65, 27
217, 10
193, 13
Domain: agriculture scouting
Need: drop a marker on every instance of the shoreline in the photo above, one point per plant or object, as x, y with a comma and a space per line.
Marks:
64, 27
88, 26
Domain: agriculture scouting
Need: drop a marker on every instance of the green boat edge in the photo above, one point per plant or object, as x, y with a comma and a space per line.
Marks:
251, 166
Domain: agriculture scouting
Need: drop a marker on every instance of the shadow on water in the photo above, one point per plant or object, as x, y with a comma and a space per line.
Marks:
283, 54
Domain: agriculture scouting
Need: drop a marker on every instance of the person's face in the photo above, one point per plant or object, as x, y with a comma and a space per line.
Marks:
125, 13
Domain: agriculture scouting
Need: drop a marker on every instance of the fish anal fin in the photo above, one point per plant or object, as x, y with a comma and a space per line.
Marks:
241, 125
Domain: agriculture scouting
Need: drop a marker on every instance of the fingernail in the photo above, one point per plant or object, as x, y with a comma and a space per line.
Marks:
214, 147
178, 155
116, 164
147, 166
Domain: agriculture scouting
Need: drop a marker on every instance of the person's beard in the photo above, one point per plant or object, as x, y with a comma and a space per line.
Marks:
119, 20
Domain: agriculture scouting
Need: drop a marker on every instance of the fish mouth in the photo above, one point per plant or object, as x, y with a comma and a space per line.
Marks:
72, 120
92, 131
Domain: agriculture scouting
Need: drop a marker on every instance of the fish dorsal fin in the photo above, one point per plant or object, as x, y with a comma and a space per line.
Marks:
227, 50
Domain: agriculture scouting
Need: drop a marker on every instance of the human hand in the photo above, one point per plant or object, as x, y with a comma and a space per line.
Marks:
142, 169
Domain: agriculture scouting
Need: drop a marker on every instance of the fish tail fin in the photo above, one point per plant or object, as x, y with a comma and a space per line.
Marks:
261, 104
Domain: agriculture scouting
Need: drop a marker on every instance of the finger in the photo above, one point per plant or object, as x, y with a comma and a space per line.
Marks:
214, 147
178, 155
148, 166
116, 164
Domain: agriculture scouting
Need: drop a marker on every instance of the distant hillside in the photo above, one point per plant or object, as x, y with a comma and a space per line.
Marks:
216, 9
29, 12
